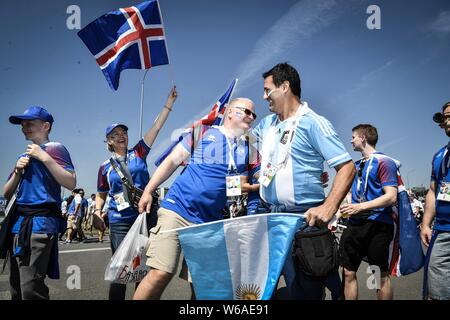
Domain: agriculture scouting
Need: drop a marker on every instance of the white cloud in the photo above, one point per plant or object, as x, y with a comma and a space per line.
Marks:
302, 20
442, 23
365, 81
392, 143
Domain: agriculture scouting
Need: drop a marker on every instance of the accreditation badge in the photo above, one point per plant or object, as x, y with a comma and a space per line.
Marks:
121, 203
444, 192
267, 175
233, 183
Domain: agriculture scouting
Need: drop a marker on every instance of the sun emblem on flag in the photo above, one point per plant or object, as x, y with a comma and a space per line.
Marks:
248, 292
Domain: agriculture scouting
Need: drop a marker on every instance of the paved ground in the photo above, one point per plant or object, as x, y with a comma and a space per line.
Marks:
91, 258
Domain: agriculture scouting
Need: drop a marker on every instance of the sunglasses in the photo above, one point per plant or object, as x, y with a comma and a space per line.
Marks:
248, 112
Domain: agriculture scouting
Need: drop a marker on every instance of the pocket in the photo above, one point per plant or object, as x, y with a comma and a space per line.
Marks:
155, 230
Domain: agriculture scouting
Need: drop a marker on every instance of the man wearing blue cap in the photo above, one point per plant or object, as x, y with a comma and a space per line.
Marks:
29, 233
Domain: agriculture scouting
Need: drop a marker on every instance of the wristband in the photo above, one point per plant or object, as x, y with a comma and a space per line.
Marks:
170, 109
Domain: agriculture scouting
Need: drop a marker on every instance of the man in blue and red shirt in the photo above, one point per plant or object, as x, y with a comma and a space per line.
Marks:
437, 207
35, 223
371, 228
199, 194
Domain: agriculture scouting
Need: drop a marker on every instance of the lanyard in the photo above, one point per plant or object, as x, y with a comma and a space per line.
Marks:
360, 192
232, 163
285, 147
445, 164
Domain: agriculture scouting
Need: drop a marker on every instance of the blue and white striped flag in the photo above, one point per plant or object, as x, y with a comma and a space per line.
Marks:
240, 258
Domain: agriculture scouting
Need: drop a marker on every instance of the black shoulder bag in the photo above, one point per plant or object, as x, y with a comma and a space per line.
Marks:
315, 253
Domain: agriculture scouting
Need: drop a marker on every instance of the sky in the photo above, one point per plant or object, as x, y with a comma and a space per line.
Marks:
394, 78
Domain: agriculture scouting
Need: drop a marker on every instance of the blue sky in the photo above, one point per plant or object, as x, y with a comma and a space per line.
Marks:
394, 78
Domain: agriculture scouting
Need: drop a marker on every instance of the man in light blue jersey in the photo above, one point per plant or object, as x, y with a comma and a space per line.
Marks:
294, 142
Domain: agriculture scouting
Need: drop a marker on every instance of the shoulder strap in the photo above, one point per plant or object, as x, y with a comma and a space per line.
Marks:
247, 162
120, 173
441, 168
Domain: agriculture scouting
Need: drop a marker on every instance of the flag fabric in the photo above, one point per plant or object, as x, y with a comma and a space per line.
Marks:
214, 117
127, 38
240, 258
405, 253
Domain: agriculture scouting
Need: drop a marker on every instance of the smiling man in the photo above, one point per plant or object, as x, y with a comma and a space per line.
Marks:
294, 143
437, 208
30, 232
199, 194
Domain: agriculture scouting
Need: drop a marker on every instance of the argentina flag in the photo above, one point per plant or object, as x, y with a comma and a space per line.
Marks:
240, 258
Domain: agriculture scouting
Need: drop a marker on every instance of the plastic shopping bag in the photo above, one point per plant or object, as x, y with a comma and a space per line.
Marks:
127, 265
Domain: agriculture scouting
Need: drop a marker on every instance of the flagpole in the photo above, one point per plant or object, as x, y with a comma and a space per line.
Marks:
142, 104
172, 78
231, 97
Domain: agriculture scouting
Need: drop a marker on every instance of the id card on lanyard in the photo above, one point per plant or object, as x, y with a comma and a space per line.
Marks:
232, 179
121, 203
284, 144
267, 175
444, 186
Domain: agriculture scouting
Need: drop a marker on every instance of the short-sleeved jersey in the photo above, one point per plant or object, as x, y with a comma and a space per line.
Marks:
38, 187
91, 206
376, 172
439, 174
108, 181
38, 184
199, 193
83, 207
72, 206
314, 141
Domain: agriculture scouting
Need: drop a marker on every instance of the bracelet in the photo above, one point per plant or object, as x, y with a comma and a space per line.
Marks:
16, 171
170, 109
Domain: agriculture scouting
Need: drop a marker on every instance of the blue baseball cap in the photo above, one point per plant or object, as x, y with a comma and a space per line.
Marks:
32, 113
111, 127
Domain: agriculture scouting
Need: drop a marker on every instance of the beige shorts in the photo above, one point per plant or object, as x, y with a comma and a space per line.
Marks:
164, 249
71, 222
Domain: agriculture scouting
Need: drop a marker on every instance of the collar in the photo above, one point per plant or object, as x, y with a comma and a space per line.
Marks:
223, 131
303, 109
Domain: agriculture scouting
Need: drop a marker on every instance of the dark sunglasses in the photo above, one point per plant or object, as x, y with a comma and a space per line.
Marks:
248, 112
